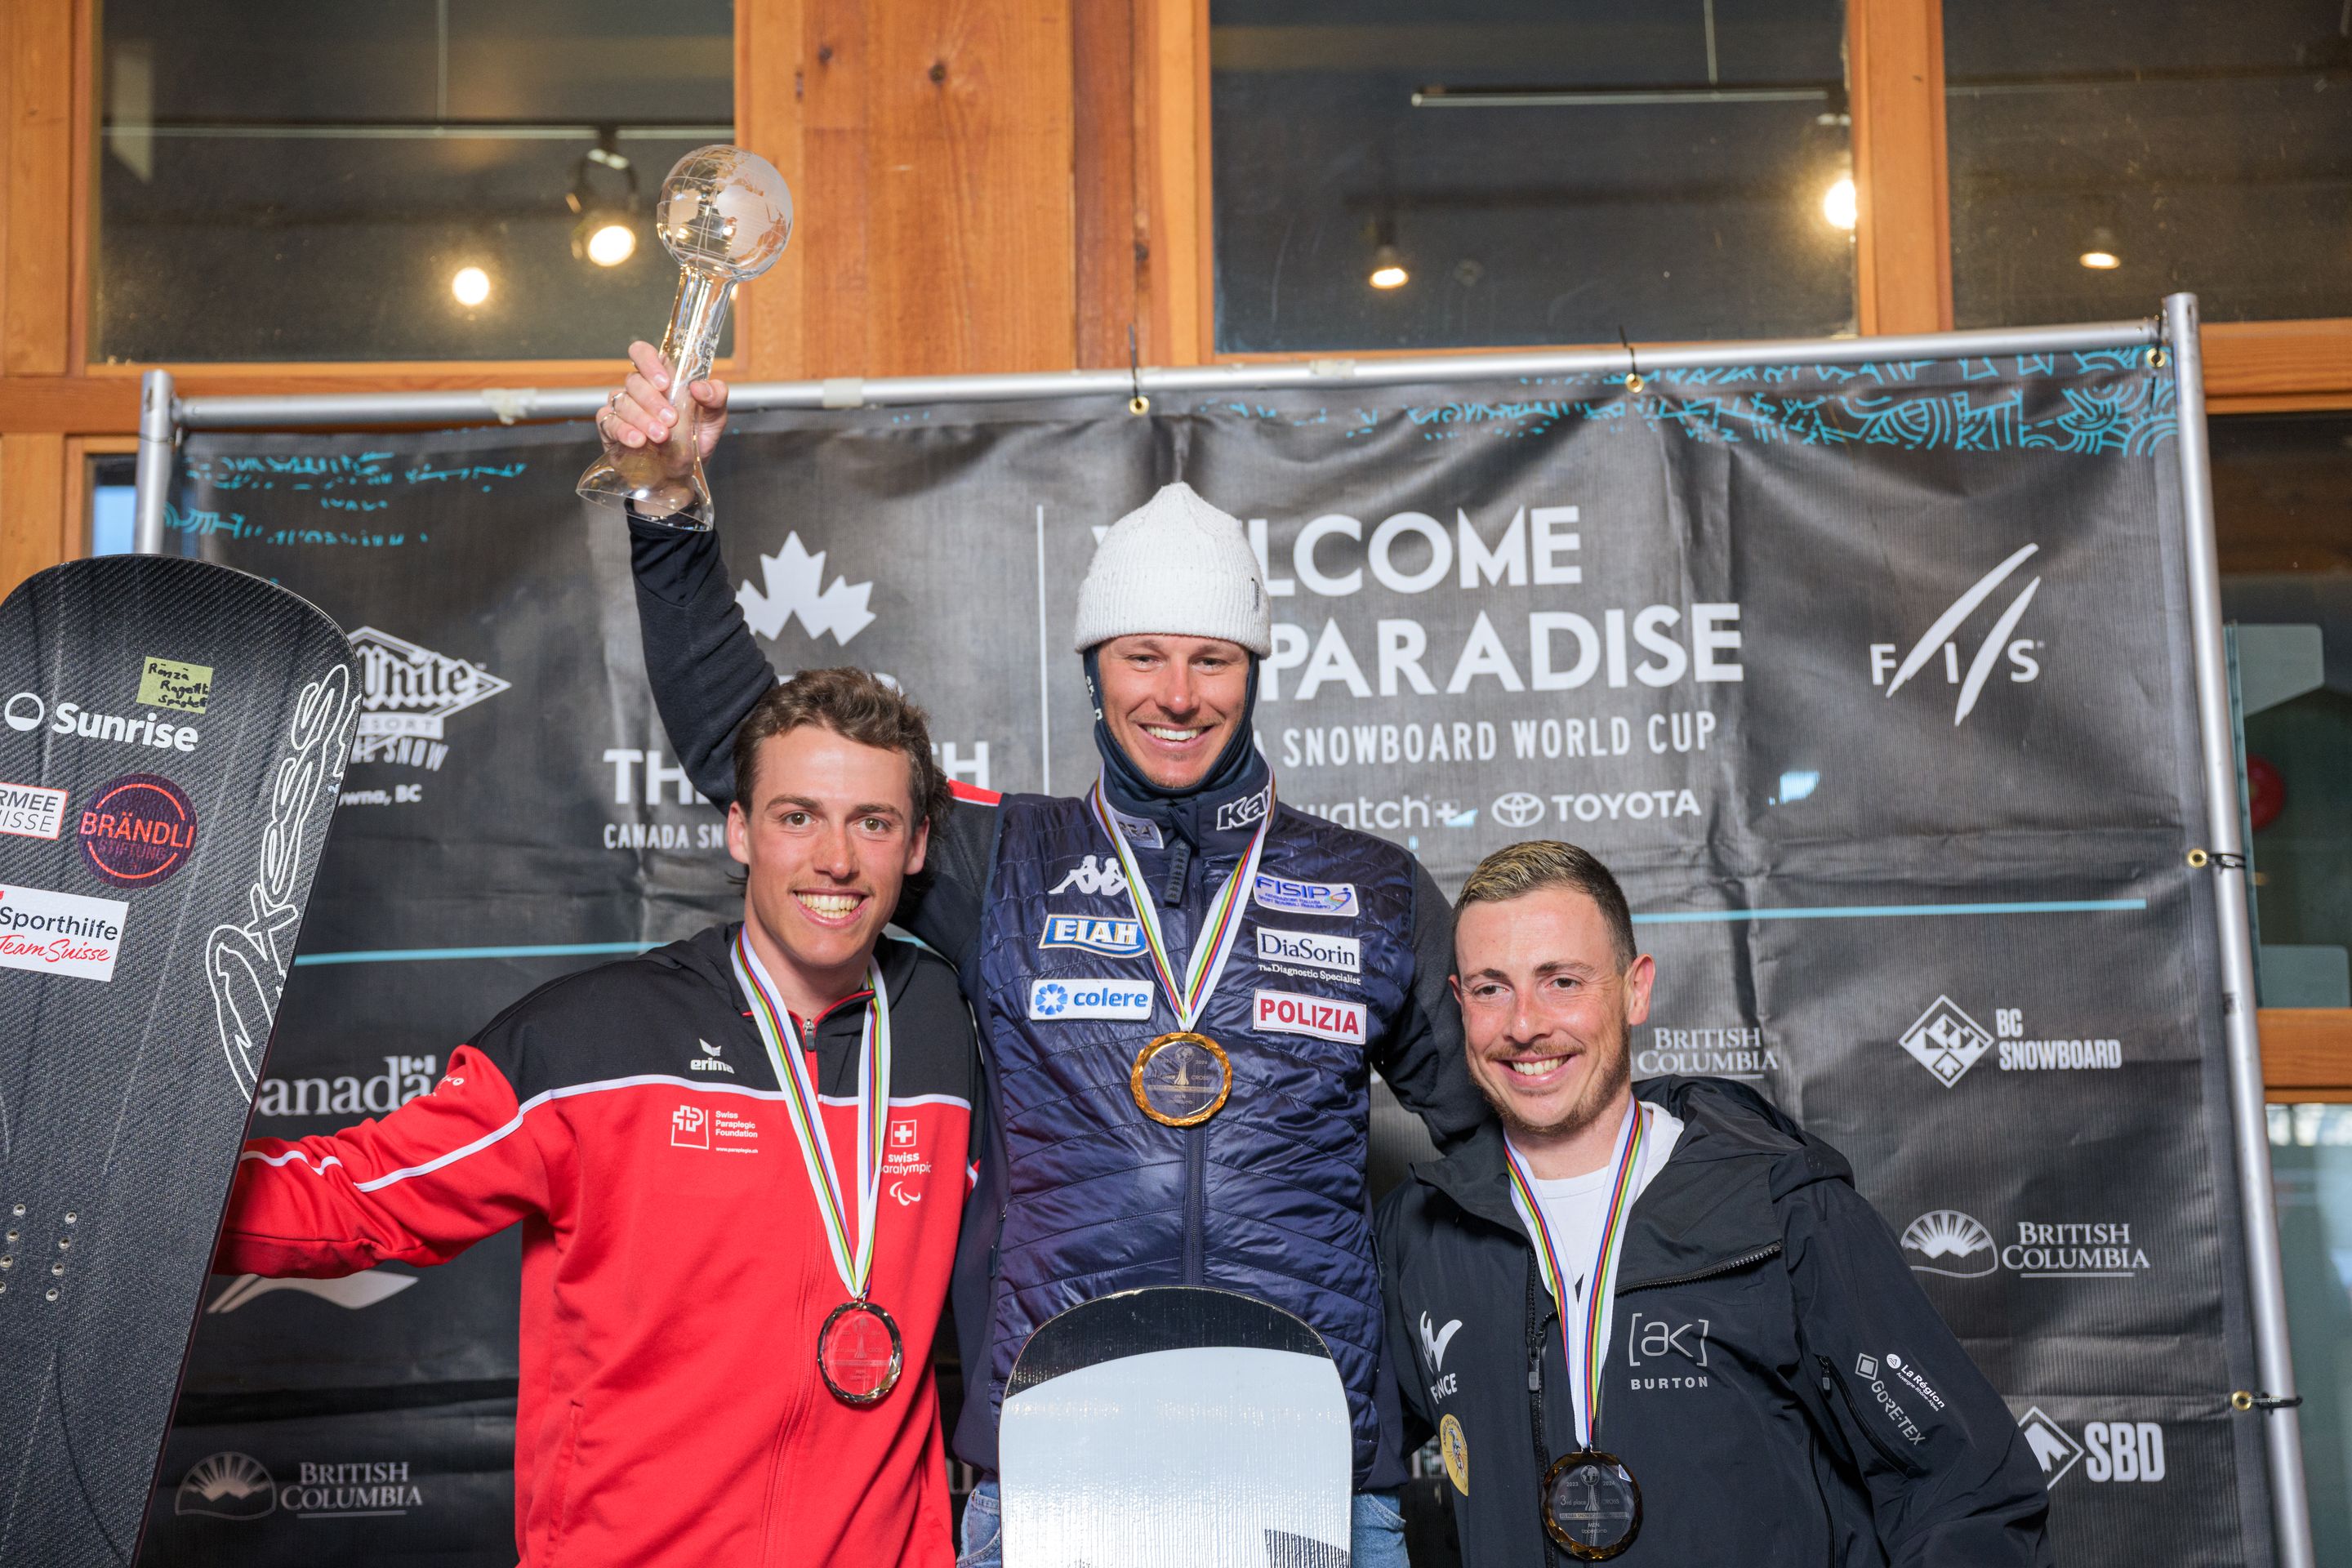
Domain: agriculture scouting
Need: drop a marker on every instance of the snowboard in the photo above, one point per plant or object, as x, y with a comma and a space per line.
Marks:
1171, 1425
173, 737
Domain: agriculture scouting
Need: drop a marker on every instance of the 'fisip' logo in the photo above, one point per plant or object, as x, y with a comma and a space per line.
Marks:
2022, 664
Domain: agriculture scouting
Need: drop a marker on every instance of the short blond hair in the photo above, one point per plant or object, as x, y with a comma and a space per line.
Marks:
1535, 864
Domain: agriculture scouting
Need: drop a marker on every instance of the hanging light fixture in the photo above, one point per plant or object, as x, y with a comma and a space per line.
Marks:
1838, 204
469, 286
606, 233
1388, 266
2099, 252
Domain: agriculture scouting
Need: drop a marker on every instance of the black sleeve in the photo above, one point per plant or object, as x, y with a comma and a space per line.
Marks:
1951, 1482
942, 906
1421, 1060
701, 661
1389, 1224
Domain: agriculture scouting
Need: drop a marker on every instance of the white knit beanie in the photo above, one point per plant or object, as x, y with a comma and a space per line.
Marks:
1177, 566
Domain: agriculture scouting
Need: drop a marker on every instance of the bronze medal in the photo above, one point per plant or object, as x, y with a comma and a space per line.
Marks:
1591, 1505
1181, 1079
858, 1352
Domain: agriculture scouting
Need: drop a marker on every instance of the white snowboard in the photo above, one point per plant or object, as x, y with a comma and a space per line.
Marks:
1175, 1426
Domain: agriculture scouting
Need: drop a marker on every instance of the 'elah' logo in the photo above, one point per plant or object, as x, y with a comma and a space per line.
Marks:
2022, 665
792, 588
1947, 1241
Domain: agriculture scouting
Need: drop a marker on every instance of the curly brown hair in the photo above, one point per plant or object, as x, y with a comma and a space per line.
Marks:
857, 706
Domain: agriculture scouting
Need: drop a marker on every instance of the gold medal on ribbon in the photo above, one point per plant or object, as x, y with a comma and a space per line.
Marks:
1181, 1079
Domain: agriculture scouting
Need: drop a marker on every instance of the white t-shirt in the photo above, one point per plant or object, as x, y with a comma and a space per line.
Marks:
1573, 1205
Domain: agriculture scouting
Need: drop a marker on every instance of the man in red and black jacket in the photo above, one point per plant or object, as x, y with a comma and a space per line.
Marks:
679, 1263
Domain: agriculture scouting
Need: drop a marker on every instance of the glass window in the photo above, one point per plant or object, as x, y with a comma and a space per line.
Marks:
2282, 503
1387, 174
286, 181
2105, 153
113, 504
2311, 1162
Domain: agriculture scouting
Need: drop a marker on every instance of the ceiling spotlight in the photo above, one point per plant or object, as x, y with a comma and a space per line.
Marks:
471, 286
1838, 204
606, 233
1388, 267
2099, 255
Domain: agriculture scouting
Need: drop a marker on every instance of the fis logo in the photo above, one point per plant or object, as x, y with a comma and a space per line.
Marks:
792, 576
2022, 665
1112, 938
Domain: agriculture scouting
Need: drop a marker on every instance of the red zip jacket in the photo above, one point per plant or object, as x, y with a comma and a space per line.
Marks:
674, 1272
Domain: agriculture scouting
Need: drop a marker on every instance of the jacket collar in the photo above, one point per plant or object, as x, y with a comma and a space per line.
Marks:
1711, 1204
710, 954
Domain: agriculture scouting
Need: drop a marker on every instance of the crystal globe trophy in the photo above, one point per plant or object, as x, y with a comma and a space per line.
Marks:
726, 215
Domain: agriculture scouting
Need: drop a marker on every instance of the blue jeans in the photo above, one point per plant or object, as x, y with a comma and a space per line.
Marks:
1375, 1535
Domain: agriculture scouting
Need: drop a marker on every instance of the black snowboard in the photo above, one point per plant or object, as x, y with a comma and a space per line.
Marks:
171, 743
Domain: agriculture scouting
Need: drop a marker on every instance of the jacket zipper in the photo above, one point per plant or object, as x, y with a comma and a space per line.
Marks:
1196, 1203
1831, 1380
1534, 1395
1728, 1265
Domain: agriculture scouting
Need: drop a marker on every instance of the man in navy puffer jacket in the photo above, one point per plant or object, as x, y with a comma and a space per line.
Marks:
1074, 923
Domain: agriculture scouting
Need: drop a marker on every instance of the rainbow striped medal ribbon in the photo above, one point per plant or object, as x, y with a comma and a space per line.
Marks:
1183, 1078
1592, 1506
858, 1351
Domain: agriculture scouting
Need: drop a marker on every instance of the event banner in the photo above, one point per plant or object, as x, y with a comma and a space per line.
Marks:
1872, 682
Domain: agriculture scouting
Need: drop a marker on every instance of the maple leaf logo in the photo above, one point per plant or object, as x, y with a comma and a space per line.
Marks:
791, 588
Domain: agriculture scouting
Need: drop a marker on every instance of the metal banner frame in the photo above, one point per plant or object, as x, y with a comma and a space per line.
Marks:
163, 416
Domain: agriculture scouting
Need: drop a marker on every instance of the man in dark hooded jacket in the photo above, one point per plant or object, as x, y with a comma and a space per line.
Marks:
1654, 1321
1098, 937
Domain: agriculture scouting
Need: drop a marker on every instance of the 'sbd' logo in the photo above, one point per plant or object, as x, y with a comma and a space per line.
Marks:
138, 830
1112, 938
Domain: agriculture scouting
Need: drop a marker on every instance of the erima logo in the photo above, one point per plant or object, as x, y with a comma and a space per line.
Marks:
1434, 1341
2023, 665
1953, 1245
1065, 999
1112, 938
1306, 897
352, 1292
1093, 875
791, 589
1342, 954
708, 1060
1945, 1041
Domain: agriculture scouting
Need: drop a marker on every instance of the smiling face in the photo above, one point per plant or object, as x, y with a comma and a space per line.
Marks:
1548, 1009
829, 839
1172, 702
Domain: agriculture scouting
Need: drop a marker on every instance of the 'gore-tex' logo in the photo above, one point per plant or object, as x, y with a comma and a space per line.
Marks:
2022, 664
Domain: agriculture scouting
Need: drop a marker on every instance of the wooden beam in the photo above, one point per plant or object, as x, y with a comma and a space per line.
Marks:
1171, 89
34, 330
1903, 244
33, 501
2306, 1049
1108, 220
770, 312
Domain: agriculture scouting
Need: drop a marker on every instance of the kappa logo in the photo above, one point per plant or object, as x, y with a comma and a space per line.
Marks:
1057, 1000
1241, 813
1288, 1013
1094, 874
1953, 1245
1111, 938
2024, 665
407, 696
789, 588
1306, 897
708, 1060
1945, 1041
1433, 1341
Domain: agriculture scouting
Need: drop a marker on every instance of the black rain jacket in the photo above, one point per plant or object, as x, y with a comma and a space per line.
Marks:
1780, 1388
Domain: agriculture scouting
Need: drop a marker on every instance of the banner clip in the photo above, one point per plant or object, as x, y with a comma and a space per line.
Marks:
2215, 859
845, 392
2244, 1400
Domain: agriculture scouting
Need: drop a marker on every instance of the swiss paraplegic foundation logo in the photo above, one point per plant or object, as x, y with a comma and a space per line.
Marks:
1945, 1041
138, 830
